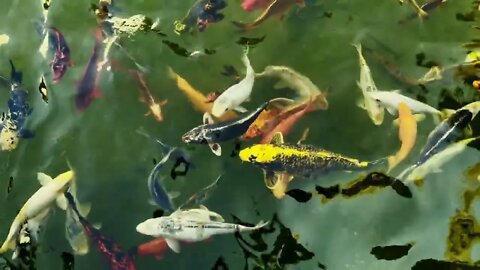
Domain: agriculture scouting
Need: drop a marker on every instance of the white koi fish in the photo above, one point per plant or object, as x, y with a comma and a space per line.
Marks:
73, 228
436, 162
367, 85
392, 99
235, 95
37, 204
192, 225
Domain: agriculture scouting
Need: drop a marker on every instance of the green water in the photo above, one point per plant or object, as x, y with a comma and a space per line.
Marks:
112, 161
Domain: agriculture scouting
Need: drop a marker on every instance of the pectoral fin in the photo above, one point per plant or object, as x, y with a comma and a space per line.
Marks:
216, 148
43, 178
62, 202
84, 208
304, 136
361, 104
173, 194
207, 119
391, 110
240, 109
173, 245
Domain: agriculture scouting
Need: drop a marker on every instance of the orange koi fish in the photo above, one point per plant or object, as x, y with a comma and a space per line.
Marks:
407, 133
154, 107
196, 97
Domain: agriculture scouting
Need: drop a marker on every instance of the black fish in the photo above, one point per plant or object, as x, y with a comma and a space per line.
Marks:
391, 253
432, 264
250, 41
177, 49
299, 195
68, 261
328, 192
158, 213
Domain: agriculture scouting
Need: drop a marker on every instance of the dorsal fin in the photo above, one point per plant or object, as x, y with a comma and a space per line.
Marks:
277, 139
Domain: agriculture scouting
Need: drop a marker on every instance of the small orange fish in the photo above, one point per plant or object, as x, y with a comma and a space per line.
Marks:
196, 97
154, 107
407, 133
257, 128
276, 8
286, 124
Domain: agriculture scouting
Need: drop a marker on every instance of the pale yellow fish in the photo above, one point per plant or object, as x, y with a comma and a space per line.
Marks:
407, 134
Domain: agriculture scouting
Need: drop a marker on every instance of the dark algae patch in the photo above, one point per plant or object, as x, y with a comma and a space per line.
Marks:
432, 264
220, 264
250, 41
391, 253
285, 250
299, 195
68, 261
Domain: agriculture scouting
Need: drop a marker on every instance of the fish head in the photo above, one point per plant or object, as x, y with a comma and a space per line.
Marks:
221, 105
473, 107
156, 111
59, 67
148, 227
8, 139
196, 135
256, 154
161, 226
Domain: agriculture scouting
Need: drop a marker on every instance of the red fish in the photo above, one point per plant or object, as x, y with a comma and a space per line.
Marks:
287, 124
251, 5
118, 259
87, 88
156, 247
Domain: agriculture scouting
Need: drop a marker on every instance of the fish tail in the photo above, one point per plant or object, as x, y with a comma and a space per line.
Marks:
171, 74
15, 75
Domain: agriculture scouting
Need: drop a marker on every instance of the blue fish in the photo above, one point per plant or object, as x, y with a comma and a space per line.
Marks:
180, 156
12, 126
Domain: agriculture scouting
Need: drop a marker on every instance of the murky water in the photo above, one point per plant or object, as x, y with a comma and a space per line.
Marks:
112, 161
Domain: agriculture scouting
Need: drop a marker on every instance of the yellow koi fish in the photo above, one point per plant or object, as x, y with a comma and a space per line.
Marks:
407, 133
196, 97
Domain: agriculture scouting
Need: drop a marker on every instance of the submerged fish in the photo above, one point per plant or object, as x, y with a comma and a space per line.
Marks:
200, 15
12, 126
87, 88
290, 78
367, 85
213, 133
111, 251
280, 159
192, 225
251, 5
36, 205
58, 47
391, 101
155, 107
276, 8
156, 247
235, 95
437, 161
418, 9
196, 97
407, 134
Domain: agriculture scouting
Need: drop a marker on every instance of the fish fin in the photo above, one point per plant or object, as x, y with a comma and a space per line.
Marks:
207, 119
243, 27
240, 109
216, 148
304, 136
15, 75
419, 117
163, 102
280, 85
361, 103
445, 113
392, 110
96, 93
97, 225
142, 99
62, 202
270, 179
152, 202
44, 178
280, 188
277, 139
171, 74
173, 194
84, 209
173, 244
26, 133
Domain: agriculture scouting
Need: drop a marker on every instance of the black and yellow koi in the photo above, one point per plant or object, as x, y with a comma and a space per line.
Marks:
42, 88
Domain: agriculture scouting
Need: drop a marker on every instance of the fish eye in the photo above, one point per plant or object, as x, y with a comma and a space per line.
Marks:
226, 109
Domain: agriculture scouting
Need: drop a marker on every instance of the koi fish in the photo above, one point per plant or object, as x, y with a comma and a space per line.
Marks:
430, 5
367, 85
298, 160
73, 228
196, 97
58, 47
445, 133
286, 125
192, 225
418, 9
235, 95
391, 101
437, 161
200, 15
276, 8
156, 247
298, 82
407, 133
251, 5
87, 88
111, 251
37, 205
155, 107
264, 120
212, 133
12, 127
